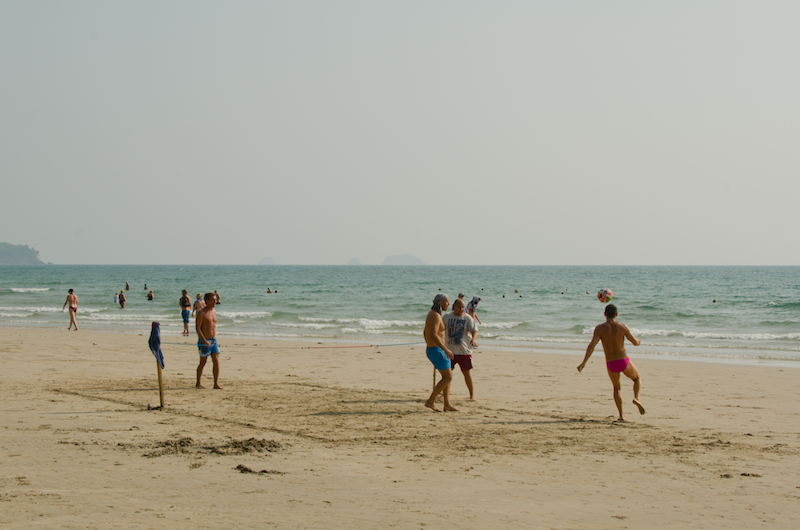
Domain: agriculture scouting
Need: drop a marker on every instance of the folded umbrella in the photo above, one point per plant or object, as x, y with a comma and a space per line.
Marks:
155, 343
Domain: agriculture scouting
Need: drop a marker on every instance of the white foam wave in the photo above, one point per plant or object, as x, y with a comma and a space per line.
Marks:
709, 355
307, 325
244, 314
554, 340
715, 335
32, 309
30, 289
119, 317
368, 323
361, 331
35, 310
15, 315
265, 335
500, 325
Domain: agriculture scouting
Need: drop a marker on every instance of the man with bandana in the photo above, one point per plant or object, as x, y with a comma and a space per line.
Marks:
438, 353
461, 336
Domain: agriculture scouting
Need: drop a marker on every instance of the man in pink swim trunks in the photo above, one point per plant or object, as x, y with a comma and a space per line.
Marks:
613, 334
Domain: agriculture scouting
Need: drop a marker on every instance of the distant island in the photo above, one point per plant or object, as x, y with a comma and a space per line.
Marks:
18, 255
267, 261
354, 261
404, 259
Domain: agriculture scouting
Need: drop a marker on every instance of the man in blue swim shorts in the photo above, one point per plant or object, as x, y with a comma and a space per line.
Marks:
438, 353
206, 326
186, 304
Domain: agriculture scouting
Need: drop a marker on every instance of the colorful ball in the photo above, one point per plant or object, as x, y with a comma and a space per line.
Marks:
605, 295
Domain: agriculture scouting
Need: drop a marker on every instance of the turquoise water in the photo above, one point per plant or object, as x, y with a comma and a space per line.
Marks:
726, 314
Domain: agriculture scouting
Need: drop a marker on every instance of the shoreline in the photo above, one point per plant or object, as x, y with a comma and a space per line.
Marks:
579, 348
341, 437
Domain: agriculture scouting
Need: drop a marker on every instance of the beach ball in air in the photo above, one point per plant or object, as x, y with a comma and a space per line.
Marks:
605, 295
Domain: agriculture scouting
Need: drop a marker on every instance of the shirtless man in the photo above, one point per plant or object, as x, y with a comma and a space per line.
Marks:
613, 334
72, 300
186, 303
438, 353
206, 326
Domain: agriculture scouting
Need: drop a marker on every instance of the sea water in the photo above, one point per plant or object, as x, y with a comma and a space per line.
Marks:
723, 314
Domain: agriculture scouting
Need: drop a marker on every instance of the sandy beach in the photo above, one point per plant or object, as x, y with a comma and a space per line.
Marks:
308, 435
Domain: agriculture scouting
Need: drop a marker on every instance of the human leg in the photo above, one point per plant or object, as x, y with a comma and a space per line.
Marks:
614, 376
468, 381
200, 371
444, 383
446, 395
632, 373
215, 360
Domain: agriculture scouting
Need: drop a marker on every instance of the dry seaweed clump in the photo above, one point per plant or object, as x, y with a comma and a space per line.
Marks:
244, 469
186, 445
240, 447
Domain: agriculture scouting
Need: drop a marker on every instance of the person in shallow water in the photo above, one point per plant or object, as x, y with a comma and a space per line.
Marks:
613, 334
186, 304
72, 300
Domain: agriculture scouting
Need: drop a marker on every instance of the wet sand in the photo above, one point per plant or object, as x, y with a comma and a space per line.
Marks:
304, 436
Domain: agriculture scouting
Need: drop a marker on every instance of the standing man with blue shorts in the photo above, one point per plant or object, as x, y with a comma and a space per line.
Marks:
206, 326
186, 304
438, 353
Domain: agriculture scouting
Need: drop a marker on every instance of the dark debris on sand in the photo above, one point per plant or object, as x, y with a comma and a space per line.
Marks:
244, 469
185, 445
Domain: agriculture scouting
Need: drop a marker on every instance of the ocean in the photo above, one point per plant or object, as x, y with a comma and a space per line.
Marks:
743, 315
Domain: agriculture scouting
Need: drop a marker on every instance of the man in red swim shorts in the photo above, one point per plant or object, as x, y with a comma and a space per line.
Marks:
613, 334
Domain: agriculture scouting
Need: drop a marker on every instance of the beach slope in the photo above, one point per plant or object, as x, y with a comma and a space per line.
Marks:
321, 436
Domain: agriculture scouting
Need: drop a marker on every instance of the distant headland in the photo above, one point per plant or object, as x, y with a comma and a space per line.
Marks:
403, 259
19, 255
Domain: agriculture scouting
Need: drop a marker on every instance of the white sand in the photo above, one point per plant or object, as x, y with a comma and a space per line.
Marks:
346, 441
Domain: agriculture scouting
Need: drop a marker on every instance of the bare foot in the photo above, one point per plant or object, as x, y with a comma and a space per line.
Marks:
198, 385
431, 406
218, 387
473, 399
450, 408
620, 420
638, 404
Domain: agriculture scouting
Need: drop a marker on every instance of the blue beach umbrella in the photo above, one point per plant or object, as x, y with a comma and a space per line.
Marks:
155, 343
155, 346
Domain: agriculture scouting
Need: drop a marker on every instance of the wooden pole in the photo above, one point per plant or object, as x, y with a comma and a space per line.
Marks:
160, 384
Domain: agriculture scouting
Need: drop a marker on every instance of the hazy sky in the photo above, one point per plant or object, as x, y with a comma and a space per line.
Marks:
517, 133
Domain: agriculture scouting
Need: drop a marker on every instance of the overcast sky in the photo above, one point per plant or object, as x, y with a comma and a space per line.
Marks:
486, 133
